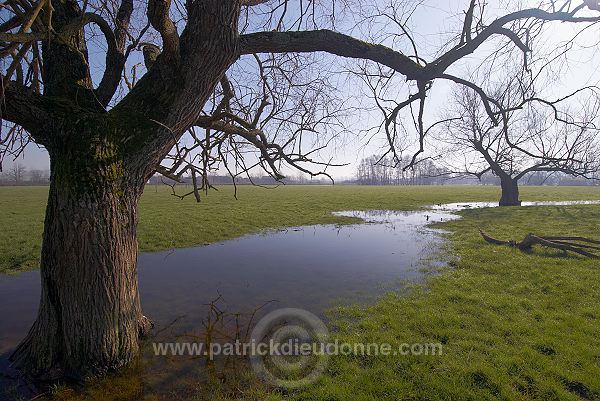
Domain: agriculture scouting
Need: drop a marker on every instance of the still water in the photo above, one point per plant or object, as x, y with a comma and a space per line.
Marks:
310, 267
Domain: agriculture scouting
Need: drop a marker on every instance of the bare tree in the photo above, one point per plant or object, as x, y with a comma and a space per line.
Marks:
17, 173
374, 170
107, 133
529, 141
279, 111
520, 48
37, 176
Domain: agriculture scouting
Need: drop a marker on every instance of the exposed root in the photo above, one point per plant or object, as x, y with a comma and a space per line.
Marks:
580, 245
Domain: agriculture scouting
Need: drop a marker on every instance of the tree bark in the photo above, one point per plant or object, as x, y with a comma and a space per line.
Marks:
90, 317
510, 192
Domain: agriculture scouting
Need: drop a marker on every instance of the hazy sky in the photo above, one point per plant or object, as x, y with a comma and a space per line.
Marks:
431, 24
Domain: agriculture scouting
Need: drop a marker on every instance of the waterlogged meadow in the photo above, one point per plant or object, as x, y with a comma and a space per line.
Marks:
167, 222
513, 325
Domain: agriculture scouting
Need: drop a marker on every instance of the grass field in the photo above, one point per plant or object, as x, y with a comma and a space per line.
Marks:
167, 222
515, 326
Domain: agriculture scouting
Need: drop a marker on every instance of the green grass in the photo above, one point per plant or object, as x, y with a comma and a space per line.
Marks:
167, 222
515, 326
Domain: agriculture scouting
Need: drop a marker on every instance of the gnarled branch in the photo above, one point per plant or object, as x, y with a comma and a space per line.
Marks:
158, 15
330, 42
567, 244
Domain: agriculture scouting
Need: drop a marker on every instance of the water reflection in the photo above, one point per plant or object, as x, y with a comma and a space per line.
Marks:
308, 267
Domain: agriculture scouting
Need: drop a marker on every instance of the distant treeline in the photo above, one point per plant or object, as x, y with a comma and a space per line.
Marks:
258, 180
18, 174
369, 172
374, 170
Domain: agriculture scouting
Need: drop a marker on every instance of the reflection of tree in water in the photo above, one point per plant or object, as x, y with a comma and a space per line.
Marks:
186, 374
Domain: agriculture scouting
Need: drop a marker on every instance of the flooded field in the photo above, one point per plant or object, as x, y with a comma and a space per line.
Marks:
312, 267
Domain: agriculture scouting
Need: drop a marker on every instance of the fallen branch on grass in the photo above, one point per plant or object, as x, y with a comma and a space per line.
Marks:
579, 245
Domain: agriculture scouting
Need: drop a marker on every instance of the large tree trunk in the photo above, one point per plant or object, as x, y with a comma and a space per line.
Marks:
89, 316
510, 192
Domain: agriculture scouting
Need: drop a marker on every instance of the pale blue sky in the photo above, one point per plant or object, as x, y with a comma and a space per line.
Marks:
431, 23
